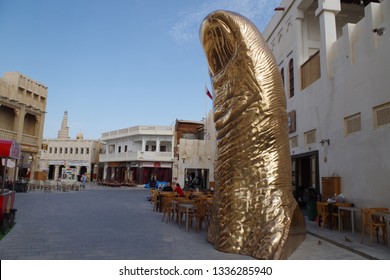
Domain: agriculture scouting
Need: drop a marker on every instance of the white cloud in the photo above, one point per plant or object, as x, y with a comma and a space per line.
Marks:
187, 26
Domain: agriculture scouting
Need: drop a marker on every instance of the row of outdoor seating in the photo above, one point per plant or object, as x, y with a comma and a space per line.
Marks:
115, 183
374, 220
109, 183
54, 185
193, 207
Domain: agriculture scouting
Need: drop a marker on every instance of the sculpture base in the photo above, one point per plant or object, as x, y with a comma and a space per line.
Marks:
296, 235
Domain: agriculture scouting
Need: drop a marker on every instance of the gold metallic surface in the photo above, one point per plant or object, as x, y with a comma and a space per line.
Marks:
254, 204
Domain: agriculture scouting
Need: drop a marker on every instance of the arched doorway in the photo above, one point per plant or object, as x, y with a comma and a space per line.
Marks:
83, 170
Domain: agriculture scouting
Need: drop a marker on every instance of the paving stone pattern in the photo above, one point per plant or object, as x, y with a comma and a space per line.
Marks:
102, 223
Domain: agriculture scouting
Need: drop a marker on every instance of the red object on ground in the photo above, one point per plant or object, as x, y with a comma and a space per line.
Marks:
6, 203
9, 149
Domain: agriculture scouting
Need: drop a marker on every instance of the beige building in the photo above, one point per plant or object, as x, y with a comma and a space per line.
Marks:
334, 56
194, 150
22, 115
66, 158
137, 154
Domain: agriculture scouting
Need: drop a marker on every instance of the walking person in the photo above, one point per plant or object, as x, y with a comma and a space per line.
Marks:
83, 180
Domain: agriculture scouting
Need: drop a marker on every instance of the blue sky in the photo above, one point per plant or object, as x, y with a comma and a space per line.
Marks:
115, 63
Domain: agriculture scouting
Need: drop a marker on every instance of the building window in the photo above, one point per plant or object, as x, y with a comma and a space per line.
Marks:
66, 150
282, 74
125, 148
311, 70
291, 76
87, 151
50, 150
310, 137
153, 148
352, 124
71, 151
81, 150
119, 149
291, 121
76, 151
60, 150
163, 148
294, 142
382, 114
147, 148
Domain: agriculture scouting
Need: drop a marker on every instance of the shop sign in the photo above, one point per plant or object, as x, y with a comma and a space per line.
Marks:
157, 164
77, 163
26, 148
56, 162
69, 173
148, 164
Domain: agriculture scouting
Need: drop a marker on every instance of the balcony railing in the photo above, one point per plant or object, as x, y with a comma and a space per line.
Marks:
29, 140
311, 70
138, 130
7, 135
136, 156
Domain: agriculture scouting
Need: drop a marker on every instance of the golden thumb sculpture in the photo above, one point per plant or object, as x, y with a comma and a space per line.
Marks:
254, 211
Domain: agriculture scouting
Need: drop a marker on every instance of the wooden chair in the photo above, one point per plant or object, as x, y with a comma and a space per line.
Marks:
373, 223
154, 199
201, 213
323, 213
167, 208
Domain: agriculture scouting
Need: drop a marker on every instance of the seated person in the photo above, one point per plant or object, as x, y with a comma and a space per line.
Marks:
167, 188
178, 189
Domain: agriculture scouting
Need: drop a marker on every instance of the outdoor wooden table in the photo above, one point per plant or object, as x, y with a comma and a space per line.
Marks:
175, 207
187, 207
350, 209
332, 208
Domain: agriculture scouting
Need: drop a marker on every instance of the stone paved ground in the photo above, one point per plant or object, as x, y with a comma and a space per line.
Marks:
103, 223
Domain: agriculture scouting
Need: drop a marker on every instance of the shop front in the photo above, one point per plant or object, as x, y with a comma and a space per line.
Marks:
9, 152
156, 171
305, 177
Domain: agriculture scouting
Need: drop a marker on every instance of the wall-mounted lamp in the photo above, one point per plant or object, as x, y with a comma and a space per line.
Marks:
361, 3
379, 31
323, 141
184, 159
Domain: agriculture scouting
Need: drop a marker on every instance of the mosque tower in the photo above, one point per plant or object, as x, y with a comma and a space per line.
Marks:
63, 133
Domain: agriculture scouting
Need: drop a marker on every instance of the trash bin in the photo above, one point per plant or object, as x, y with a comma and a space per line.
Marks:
311, 204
